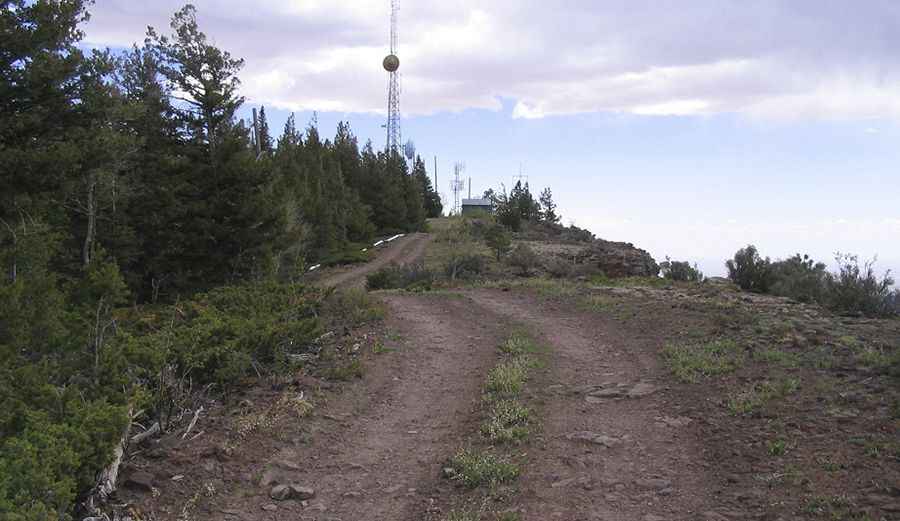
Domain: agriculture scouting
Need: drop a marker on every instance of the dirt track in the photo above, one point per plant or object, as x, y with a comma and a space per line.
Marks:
606, 447
404, 250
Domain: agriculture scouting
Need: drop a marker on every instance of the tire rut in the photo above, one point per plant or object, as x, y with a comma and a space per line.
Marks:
406, 250
613, 458
380, 455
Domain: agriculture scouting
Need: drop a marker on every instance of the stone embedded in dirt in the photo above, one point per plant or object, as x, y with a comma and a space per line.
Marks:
615, 392
270, 507
270, 477
280, 492
563, 482
641, 389
594, 437
287, 465
679, 421
301, 492
140, 481
653, 483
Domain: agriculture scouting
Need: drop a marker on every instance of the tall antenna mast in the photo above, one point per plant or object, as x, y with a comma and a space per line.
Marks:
457, 185
391, 64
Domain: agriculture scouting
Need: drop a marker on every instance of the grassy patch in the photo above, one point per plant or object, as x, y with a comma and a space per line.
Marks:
518, 344
777, 356
754, 397
508, 378
691, 362
462, 515
346, 372
352, 308
508, 422
380, 348
474, 468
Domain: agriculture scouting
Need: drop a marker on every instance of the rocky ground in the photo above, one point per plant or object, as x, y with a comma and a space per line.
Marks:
646, 403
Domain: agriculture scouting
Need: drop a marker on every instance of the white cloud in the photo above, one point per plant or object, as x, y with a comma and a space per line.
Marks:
770, 60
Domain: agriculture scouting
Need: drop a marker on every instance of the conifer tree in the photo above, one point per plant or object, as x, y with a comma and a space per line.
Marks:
548, 207
265, 139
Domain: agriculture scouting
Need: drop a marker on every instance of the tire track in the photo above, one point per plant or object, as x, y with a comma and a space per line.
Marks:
604, 457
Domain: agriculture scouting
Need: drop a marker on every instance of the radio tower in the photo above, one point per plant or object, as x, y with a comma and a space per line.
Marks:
391, 63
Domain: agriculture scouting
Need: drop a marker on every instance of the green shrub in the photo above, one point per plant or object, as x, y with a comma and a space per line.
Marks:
351, 308
559, 268
464, 266
680, 271
799, 278
856, 290
405, 276
524, 258
750, 271
498, 239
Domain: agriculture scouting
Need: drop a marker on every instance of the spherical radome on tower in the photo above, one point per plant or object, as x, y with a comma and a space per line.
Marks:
391, 63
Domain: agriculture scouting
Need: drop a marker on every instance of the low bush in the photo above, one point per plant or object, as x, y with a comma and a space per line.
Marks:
498, 239
681, 271
750, 271
464, 266
799, 278
856, 290
396, 276
559, 268
524, 258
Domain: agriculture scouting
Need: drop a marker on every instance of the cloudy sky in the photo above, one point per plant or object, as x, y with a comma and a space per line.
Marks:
688, 127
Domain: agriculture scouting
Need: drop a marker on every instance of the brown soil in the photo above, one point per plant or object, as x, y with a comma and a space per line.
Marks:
649, 462
618, 437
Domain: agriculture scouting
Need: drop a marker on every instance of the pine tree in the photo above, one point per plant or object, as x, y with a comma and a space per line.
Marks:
548, 207
206, 74
265, 139
431, 199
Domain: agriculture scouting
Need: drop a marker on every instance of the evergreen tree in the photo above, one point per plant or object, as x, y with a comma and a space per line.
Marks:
548, 207
431, 199
265, 139
206, 74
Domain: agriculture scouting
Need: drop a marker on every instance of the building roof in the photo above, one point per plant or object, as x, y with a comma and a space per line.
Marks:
476, 202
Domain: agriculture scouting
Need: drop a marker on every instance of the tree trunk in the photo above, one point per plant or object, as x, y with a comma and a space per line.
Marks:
88, 246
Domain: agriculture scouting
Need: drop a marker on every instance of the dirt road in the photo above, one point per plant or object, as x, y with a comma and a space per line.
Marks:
610, 449
405, 250
607, 446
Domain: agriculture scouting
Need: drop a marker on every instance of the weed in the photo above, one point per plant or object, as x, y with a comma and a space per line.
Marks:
777, 447
508, 422
461, 515
411, 276
518, 344
353, 307
777, 356
475, 468
758, 394
508, 378
345, 373
594, 303
690, 362
509, 516
380, 348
